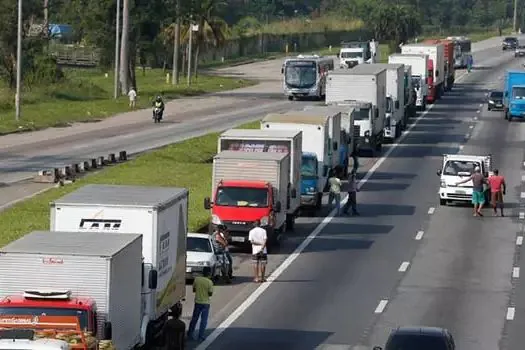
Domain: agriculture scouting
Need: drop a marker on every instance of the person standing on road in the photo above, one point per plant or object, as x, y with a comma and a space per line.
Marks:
335, 191
203, 289
478, 197
221, 237
174, 331
132, 94
498, 188
258, 238
351, 202
470, 63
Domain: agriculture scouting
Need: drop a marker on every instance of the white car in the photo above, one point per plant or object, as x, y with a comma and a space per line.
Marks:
200, 252
39, 344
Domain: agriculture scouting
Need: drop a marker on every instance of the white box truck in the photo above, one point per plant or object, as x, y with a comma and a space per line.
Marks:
284, 141
95, 276
410, 94
249, 187
317, 155
160, 214
420, 74
365, 83
436, 65
395, 119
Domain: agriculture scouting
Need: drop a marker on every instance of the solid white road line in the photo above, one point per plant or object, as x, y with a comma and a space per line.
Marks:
516, 272
381, 306
290, 259
519, 240
510, 313
523, 178
419, 235
522, 215
404, 266
431, 210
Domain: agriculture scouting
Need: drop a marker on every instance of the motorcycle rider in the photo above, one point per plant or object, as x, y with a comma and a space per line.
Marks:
221, 242
158, 103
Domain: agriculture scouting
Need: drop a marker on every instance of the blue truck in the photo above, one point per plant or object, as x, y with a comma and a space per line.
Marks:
514, 95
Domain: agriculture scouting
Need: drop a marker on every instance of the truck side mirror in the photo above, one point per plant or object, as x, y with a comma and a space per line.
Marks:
282, 70
437, 73
439, 173
207, 203
397, 104
376, 113
325, 170
107, 331
152, 279
335, 146
293, 193
506, 94
338, 55
278, 207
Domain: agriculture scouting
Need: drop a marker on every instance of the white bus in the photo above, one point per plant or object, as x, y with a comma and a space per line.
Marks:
305, 76
462, 50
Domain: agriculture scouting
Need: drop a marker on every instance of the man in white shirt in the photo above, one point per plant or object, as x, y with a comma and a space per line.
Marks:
132, 94
258, 238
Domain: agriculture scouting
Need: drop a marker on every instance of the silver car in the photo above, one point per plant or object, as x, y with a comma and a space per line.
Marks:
520, 51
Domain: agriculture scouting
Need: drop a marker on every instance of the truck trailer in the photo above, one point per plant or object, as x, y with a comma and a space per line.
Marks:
450, 71
160, 214
94, 276
514, 95
420, 75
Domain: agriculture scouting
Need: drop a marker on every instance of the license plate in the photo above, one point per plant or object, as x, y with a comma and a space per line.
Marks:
238, 239
460, 192
499, 105
188, 269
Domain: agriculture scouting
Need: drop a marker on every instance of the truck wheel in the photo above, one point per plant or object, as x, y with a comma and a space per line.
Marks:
319, 201
290, 98
290, 222
442, 202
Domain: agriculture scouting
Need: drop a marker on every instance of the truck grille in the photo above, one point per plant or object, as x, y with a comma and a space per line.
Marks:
238, 226
459, 196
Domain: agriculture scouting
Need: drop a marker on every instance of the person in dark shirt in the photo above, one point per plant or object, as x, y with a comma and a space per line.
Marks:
174, 331
478, 196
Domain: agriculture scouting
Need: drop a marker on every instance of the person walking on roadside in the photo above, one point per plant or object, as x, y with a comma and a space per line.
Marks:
478, 197
470, 63
355, 161
498, 188
335, 191
203, 289
351, 202
132, 94
174, 337
258, 238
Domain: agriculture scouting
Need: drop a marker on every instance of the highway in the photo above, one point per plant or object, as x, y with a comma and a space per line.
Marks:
406, 260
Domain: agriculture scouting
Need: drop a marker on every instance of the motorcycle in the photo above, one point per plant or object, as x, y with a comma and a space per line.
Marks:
157, 115
223, 265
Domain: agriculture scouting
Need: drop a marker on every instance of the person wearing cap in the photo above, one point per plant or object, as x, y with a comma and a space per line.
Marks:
497, 191
478, 196
352, 194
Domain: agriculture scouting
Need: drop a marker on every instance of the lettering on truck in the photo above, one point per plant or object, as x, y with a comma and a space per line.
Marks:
164, 266
100, 224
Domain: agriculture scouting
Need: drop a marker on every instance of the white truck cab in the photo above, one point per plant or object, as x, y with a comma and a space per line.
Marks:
457, 167
29, 344
354, 53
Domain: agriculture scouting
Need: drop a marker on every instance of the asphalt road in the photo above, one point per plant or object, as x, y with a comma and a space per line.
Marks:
405, 260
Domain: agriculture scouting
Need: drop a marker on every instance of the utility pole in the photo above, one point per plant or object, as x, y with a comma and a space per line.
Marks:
117, 52
46, 19
124, 49
176, 47
18, 61
189, 52
515, 20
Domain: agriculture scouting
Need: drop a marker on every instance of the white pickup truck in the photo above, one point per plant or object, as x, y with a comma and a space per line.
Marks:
457, 167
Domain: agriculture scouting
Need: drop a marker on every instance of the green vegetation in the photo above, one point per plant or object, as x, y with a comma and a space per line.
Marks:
86, 95
186, 164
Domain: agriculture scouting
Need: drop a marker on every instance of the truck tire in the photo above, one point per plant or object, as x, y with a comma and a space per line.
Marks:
505, 115
290, 222
319, 201
290, 98
442, 202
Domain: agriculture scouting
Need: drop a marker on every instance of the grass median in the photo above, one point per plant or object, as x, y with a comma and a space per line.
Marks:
87, 95
185, 164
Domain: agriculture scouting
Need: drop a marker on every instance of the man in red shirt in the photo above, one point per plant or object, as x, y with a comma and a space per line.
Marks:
497, 190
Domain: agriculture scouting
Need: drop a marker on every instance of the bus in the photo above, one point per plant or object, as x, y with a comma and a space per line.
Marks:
462, 50
305, 76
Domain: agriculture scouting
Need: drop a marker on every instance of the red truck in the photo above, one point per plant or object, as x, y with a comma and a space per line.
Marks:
450, 71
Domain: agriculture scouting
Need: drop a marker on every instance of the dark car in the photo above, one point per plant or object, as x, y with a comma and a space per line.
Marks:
509, 43
419, 338
495, 100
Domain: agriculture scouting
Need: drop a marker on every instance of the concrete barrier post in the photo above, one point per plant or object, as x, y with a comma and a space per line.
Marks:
94, 163
100, 161
122, 156
111, 158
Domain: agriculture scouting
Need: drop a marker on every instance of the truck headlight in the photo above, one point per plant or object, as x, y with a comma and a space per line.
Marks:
311, 190
216, 220
490, 101
443, 184
367, 133
204, 263
265, 221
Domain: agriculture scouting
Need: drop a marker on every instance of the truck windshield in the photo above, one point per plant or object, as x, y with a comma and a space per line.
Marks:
361, 114
309, 167
416, 81
459, 167
46, 311
409, 342
197, 244
346, 54
389, 105
300, 74
242, 197
518, 93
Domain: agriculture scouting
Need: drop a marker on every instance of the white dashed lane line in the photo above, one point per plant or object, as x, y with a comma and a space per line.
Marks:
471, 127
516, 272
404, 266
510, 313
519, 240
432, 209
522, 195
521, 215
523, 178
381, 306
419, 235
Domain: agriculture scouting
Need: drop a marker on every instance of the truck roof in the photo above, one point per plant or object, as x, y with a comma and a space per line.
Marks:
360, 69
390, 65
71, 243
409, 55
120, 195
298, 117
276, 156
325, 110
258, 133
421, 44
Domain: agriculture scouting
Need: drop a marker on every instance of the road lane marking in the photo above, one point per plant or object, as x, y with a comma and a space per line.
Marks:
524, 164
419, 235
381, 306
481, 104
252, 298
471, 127
522, 215
522, 195
478, 111
510, 313
519, 240
476, 118
404, 266
516, 272
431, 210
461, 147
523, 178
